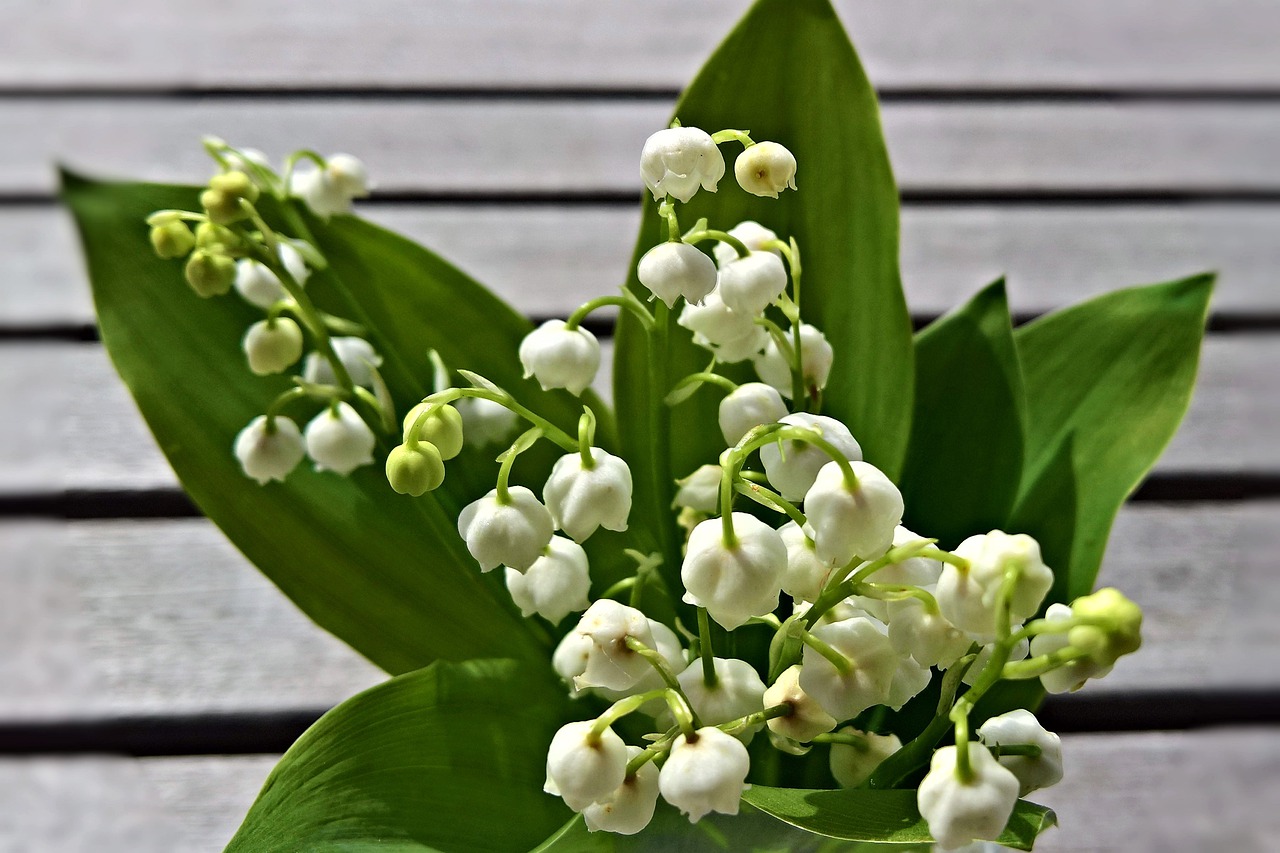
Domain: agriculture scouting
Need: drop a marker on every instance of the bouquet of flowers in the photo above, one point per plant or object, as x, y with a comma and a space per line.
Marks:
801, 587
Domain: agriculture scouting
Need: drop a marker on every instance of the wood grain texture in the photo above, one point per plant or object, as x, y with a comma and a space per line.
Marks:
1185, 792
545, 260
659, 44
557, 146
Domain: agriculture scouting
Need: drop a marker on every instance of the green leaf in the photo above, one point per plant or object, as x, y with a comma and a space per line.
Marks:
386, 573
880, 816
450, 758
965, 461
1107, 384
787, 73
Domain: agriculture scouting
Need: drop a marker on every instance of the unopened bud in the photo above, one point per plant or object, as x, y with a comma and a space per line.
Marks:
172, 239
443, 428
415, 471
273, 345
1121, 636
210, 273
210, 235
222, 199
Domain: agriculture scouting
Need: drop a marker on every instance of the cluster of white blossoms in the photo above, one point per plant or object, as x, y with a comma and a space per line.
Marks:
789, 531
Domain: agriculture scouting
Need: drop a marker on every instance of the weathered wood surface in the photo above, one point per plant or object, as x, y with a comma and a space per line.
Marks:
554, 146
546, 259
1179, 792
583, 44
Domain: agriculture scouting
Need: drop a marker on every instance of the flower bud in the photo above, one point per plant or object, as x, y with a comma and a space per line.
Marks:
1022, 727
598, 655
1105, 644
705, 772
210, 272
765, 169
959, 812
331, 189
557, 583
793, 465
259, 286
172, 239
443, 428
732, 336
873, 665
269, 450
967, 594
582, 769
807, 719
738, 582
678, 160
1070, 676
339, 441
700, 491
751, 284
356, 354
212, 236
485, 422
847, 522
671, 270
560, 357
415, 471
751, 234
738, 691
510, 533
816, 358
222, 199
748, 406
273, 345
852, 765
806, 575
582, 499
630, 807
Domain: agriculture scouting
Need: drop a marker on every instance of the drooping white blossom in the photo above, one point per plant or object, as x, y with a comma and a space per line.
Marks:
846, 521
731, 335
678, 160
968, 595
924, 633
671, 270
913, 571
793, 465
852, 765
630, 807
738, 691
331, 189
806, 575
747, 406
259, 286
357, 355
873, 665
338, 440
751, 284
599, 647
272, 346
751, 234
486, 423
583, 499
807, 718
700, 490
269, 454
765, 169
1019, 727
557, 583
738, 582
816, 358
582, 770
705, 773
959, 812
560, 357
511, 533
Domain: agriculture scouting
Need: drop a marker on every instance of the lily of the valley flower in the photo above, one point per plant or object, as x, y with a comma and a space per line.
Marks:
865, 682
443, 427
671, 270
806, 575
485, 423
816, 358
765, 169
269, 452
415, 470
582, 769
338, 440
700, 490
960, 811
738, 581
259, 286
599, 647
272, 346
583, 499
852, 521
356, 354
747, 406
1021, 727
738, 691
1072, 675
731, 335
705, 772
853, 764
560, 357
793, 466
511, 532
557, 583
751, 284
677, 161
331, 189
807, 718
630, 807
751, 234
968, 594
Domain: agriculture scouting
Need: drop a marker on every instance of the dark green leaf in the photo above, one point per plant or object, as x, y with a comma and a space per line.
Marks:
450, 758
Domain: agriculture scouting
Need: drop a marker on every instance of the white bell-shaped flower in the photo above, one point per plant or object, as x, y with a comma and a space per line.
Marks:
913, 571
748, 406
269, 454
705, 773
807, 718
630, 807
560, 357
734, 583
925, 634
751, 284
738, 691
816, 358
671, 270
700, 490
665, 643
792, 466
557, 583
339, 441
960, 812
356, 354
259, 286
765, 169
485, 423
272, 346
582, 499
581, 770
873, 664
512, 533
600, 649
967, 595
677, 161
908, 680
852, 522
1022, 727
1072, 675
331, 189
732, 336
852, 765
751, 234
806, 575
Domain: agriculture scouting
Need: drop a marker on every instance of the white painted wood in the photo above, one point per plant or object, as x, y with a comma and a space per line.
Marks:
577, 43
1175, 792
164, 616
546, 260
498, 146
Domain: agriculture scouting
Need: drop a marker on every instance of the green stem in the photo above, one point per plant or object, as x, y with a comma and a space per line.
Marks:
719, 236
709, 677
657, 661
549, 430
667, 210
731, 135
627, 300
521, 444
703, 377
772, 500
586, 438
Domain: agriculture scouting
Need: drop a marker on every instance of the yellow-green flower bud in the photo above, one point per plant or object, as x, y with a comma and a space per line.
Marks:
273, 345
217, 238
210, 273
172, 239
222, 198
1122, 633
443, 428
415, 471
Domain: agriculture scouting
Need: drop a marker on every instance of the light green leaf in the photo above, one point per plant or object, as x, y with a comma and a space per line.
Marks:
387, 573
450, 758
1113, 377
965, 460
787, 73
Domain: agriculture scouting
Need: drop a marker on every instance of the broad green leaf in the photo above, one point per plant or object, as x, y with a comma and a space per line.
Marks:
880, 816
786, 73
964, 465
1112, 376
387, 573
450, 758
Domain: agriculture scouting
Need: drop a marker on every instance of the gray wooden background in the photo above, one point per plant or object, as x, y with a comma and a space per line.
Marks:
148, 674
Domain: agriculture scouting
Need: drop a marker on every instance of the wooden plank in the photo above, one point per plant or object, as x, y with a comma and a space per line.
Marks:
80, 429
107, 621
546, 260
1183, 792
577, 43
557, 146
